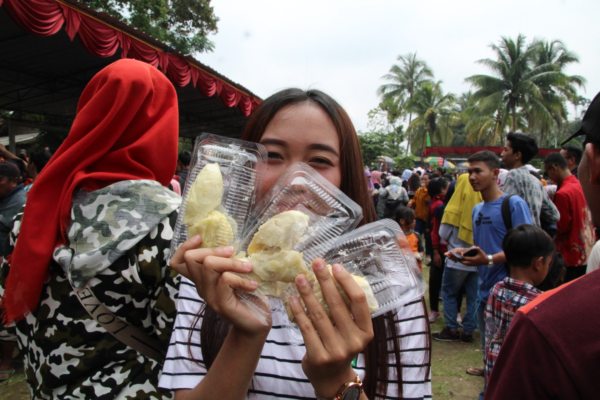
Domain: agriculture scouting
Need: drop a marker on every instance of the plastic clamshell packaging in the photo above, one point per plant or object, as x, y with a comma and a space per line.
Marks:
375, 252
220, 191
295, 223
330, 212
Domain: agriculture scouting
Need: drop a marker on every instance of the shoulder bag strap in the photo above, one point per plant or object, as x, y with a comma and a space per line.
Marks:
121, 330
506, 217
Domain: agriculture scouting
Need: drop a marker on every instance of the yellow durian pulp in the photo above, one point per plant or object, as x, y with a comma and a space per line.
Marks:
205, 194
215, 229
280, 232
202, 215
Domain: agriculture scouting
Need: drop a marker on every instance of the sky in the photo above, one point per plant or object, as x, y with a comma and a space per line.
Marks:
344, 47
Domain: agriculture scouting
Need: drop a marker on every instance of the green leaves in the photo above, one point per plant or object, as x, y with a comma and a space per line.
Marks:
532, 85
181, 24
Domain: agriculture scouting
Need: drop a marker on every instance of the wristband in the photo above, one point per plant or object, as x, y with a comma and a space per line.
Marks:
490, 260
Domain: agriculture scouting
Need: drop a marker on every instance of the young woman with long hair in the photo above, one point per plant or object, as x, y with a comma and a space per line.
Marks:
228, 353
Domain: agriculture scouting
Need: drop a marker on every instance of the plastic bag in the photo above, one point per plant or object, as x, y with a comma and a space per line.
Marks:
294, 224
220, 191
375, 251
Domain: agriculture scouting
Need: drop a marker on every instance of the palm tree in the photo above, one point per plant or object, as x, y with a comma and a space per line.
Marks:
478, 126
516, 84
433, 109
403, 80
556, 90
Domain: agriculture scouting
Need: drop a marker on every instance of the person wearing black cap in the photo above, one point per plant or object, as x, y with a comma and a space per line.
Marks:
552, 350
12, 198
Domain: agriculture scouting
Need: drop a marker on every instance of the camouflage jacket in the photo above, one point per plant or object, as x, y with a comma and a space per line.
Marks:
119, 245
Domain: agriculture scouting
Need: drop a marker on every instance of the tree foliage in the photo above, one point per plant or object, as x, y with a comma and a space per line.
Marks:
403, 82
526, 89
433, 109
181, 24
373, 145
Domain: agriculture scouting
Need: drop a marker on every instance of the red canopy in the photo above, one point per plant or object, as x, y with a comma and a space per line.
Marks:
104, 36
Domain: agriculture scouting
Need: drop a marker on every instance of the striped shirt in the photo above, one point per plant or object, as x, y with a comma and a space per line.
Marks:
279, 372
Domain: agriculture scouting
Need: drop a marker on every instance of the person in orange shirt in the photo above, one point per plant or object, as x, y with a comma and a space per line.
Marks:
406, 219
420, 203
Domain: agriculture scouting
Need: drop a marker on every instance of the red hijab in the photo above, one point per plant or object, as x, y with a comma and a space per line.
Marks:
126, 128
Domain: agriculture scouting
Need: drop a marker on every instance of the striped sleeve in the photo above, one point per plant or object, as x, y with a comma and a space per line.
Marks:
183, 367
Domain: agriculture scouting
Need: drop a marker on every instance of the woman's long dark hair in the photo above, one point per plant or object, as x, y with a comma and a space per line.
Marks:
353, 184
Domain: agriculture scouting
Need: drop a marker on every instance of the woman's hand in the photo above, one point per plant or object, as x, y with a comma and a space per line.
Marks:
331, 343
215, 274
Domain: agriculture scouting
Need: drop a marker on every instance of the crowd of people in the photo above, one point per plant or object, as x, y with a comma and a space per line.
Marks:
495, 236
100, 308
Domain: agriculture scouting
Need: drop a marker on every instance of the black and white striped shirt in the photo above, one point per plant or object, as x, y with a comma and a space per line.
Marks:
279, 372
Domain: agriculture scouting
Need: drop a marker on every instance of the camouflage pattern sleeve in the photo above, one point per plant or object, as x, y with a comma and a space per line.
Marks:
153, 257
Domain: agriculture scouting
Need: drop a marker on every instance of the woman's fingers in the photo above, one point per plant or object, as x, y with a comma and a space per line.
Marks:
314, 310
219, 262
359, 306
237, 282
312, 340
338, 309
177, 261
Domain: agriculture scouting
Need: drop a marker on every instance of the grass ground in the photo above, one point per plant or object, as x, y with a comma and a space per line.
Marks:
449, 362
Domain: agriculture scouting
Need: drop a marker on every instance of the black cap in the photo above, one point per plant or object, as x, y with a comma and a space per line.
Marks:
590, 126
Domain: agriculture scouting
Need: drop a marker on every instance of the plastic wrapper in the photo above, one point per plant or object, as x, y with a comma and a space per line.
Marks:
330, 212
295, 223
379, 253
220, 191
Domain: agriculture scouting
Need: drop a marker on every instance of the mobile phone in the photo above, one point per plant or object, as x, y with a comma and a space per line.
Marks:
471, 253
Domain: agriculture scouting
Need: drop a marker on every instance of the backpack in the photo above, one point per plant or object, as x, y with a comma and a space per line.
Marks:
549, 229
390, 206
506, 217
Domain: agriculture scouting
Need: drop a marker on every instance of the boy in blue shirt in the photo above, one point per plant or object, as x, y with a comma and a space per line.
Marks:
489, 230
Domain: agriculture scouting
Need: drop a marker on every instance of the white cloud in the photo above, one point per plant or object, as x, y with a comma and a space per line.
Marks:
344, 46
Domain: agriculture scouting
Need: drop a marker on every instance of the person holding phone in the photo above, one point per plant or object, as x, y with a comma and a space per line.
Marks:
457, 231
488, 231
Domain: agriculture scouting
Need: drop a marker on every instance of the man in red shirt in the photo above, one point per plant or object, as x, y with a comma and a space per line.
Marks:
574, 230
552, 350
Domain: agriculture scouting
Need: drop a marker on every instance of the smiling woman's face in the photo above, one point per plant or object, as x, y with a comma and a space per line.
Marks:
301, 132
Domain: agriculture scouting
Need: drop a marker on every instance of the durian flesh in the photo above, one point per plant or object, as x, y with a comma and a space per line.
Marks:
203, 212
276, 264
281, 232
215, 229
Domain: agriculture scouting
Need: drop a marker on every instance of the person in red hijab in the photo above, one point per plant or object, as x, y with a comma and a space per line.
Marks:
93, 244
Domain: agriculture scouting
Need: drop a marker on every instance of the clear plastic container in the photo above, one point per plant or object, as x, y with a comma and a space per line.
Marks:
220, 191
294, 224
330, 212
376, 252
